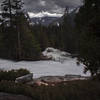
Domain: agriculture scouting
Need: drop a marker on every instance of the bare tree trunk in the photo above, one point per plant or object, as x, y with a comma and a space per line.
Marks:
19, 45
10, 12
18, 39
18, 36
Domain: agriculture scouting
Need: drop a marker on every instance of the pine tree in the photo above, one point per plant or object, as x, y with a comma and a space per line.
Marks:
88, 22
18, 39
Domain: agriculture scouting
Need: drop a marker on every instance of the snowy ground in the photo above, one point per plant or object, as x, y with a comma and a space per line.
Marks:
46, 68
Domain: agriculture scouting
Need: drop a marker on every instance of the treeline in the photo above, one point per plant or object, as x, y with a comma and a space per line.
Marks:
88, 27
17, 41
78, 33
61, 34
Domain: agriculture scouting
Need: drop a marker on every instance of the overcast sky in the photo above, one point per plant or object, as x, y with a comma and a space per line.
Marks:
51, 6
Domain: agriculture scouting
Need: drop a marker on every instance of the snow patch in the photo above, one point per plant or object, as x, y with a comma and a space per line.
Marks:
46, 68
53, 67
43, 14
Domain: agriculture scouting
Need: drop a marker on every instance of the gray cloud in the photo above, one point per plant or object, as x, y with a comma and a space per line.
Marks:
49, 5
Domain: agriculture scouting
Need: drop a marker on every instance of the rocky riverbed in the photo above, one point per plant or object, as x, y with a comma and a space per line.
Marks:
52, 80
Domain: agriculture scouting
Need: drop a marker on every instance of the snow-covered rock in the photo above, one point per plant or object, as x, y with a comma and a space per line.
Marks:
25, 78
56, 54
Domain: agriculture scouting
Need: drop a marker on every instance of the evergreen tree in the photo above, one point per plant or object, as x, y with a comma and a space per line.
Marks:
41, 36
19, 43
68, 33
88, 23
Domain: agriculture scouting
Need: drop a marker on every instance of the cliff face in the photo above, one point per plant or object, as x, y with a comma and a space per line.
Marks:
6, 96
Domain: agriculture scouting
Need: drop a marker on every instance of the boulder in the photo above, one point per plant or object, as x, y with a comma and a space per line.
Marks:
25, 78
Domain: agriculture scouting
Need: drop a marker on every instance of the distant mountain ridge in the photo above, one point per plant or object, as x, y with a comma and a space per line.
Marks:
48, 20
43, 20
70, 16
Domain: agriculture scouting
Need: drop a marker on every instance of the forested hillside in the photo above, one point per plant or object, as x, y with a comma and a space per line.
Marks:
54, 54
60, 34
21, 40
76, 32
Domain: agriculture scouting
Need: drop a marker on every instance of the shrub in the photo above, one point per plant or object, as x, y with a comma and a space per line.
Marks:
12, 74
74, 90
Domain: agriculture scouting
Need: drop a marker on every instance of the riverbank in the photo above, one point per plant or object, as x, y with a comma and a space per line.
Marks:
53, 80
